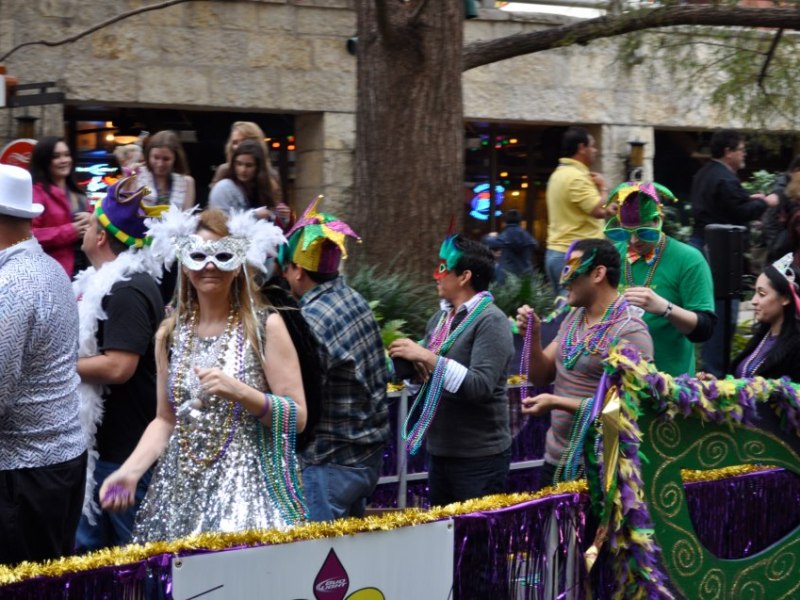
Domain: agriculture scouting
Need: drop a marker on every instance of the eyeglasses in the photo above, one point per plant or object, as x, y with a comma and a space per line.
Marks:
617, 233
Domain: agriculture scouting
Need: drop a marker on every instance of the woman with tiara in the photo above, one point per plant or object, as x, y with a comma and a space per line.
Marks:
230, 393
773, 350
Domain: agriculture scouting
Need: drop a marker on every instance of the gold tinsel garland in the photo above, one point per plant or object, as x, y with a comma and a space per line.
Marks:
695, 476
311, 531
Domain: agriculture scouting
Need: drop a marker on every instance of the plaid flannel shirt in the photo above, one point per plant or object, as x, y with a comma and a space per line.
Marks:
354, 422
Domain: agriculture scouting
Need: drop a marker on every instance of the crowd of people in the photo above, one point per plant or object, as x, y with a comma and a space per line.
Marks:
249, 390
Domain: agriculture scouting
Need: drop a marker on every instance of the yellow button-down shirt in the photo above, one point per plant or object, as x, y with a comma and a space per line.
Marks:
571, 197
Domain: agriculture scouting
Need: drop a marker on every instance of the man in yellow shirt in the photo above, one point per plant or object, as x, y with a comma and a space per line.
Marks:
575, 200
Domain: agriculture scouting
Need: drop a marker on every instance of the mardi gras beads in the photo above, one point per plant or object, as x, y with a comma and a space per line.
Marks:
628, 271
596, 338
429, 395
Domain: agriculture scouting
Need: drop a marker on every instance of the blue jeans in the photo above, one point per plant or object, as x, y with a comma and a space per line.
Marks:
453, 479
553, 265
335, 491
111, 528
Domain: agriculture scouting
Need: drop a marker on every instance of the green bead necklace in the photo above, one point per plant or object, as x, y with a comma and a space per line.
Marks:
628, 270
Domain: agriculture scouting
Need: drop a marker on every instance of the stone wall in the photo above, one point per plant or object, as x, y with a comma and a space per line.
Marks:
275, 55
289, 56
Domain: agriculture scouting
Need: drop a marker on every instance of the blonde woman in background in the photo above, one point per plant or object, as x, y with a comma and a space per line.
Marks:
241, 131
129, 157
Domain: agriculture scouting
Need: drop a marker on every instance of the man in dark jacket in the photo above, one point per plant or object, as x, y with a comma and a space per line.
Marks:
518, 246
717, 194
718, 197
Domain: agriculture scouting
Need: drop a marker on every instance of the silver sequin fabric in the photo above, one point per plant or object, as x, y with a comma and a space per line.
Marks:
187, 497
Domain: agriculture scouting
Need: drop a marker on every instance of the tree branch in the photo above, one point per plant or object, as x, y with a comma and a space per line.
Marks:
710, 44
768, 59
101, 25
486, 52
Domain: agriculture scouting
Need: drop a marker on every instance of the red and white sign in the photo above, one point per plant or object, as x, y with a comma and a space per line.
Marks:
18, 153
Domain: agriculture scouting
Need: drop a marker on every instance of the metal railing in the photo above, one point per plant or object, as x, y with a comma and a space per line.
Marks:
403, 476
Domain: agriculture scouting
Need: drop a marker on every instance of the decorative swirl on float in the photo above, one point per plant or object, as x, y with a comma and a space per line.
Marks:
669, 499
754, 449
712, 586
667, 434
752, 590
712, 451
687, 556
781, 566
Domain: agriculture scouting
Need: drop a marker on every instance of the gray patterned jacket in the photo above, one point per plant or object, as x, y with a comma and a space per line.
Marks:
39, 423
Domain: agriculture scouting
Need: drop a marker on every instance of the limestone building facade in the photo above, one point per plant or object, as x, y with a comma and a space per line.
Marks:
286, 62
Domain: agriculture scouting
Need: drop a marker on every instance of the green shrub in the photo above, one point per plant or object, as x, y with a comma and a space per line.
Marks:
760, 182
402, 304
533, 290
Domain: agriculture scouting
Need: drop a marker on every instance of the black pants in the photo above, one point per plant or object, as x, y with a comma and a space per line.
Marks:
458, 479
547, 473
39, 510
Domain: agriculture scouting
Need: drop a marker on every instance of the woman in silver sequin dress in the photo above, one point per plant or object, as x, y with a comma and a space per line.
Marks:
224, 447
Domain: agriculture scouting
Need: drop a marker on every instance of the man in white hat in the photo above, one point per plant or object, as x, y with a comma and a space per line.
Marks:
42, 448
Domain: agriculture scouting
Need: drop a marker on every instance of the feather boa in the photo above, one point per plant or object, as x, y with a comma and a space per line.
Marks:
90, 287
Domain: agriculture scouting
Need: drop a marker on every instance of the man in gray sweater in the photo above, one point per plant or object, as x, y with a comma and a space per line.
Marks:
465, 356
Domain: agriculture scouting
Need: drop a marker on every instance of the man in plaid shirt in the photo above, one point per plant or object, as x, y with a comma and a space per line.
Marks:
342, 462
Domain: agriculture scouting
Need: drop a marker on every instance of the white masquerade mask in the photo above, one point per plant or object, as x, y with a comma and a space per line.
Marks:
225, 254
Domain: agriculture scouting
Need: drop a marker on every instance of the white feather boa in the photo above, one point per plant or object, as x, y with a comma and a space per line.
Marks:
90, 287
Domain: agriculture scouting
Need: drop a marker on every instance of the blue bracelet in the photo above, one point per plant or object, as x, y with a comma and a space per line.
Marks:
267, 406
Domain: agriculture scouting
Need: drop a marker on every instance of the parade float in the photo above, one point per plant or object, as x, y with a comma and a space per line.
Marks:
679, 477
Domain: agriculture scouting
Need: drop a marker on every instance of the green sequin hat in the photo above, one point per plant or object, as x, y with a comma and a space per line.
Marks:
639, 203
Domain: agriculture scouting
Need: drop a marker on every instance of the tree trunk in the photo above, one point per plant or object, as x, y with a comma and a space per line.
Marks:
409, 131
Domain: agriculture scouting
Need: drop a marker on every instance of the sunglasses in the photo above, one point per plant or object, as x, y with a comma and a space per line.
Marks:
617, 233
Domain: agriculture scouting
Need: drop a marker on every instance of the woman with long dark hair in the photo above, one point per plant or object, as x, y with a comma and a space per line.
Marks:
774, 349
61, 226
247, 185
166, 171
247, 130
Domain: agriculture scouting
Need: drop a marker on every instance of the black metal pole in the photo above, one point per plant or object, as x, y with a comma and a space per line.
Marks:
728, 329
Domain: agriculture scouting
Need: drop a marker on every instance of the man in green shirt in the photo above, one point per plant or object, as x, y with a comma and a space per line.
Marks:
671, 281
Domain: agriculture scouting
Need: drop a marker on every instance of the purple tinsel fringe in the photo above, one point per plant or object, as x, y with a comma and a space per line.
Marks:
501, 554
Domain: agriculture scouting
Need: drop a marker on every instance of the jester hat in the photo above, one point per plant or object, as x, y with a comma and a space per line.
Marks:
122, 213
639, 203
317, 241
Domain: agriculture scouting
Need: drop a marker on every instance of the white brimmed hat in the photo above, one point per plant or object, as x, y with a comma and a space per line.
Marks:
16, 193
